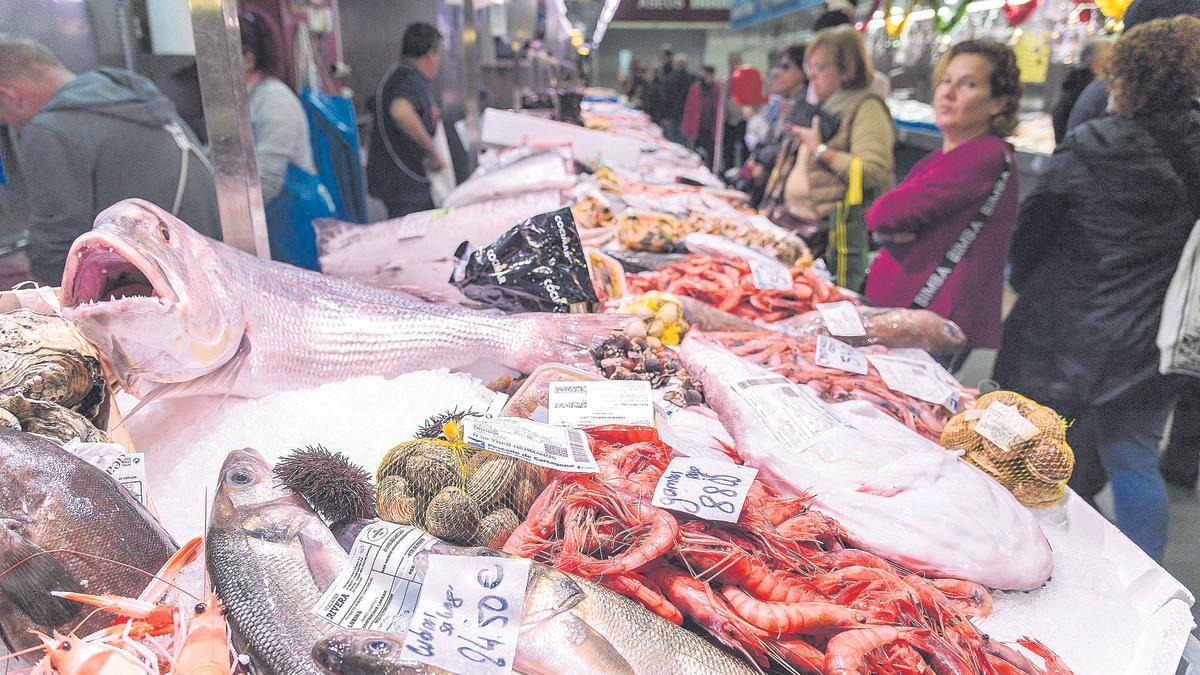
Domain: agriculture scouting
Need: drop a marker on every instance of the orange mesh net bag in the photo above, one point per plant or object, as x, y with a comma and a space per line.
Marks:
1016, 441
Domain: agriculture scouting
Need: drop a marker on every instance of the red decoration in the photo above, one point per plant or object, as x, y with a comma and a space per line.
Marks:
746, 86
1021, 13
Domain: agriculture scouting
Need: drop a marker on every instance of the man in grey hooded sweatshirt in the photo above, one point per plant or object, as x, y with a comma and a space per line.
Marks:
87, 141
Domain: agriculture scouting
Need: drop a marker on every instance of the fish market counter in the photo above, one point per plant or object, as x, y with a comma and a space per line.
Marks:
1107, 608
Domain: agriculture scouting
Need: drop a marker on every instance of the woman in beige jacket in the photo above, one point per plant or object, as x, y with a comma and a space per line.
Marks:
839, 72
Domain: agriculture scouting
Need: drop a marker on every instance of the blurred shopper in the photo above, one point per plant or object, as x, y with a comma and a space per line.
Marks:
291, 192
962, 197
676, 86
858, 153
841, 13
1095, 247
766, 135
700, 113
1093, 102
1092, 62
87, 141
406, 117
733, 142
652, 96
666, 59
634, 85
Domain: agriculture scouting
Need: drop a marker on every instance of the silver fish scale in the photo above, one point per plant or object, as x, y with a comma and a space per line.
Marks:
307, 329
267, 590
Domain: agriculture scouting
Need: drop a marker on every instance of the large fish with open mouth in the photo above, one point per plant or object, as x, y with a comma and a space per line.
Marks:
177, 313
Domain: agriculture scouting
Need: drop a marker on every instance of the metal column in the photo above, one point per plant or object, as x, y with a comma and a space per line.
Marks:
470, 65
227, 117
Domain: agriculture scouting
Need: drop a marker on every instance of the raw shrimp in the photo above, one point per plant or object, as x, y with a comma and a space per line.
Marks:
698, 602
808, 618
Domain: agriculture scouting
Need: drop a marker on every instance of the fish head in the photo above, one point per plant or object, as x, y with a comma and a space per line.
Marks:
359, 652
146, 290
246, 482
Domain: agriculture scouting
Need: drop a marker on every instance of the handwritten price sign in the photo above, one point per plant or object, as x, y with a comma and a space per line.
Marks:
469, 614
706, 488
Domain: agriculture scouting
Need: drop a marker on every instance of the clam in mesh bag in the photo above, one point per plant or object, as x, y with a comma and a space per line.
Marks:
456, 492
1033, 461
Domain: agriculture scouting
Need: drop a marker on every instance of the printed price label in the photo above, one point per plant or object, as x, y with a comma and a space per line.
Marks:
706, 488
469, 614
833, 353
769, 275
128, 469
841, 318
379, 587
588, 404
1004, 425
542, 444
792, 412
915, 373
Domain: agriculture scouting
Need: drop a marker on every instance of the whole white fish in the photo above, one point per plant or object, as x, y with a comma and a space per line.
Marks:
177, 313
897, 494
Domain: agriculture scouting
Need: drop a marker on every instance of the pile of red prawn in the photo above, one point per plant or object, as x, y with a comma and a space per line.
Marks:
795, 359
728, 285
780, 586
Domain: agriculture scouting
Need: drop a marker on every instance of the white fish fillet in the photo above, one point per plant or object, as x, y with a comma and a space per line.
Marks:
542, 171
897, 494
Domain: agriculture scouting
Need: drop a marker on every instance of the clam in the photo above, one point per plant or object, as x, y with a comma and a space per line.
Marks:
452, 515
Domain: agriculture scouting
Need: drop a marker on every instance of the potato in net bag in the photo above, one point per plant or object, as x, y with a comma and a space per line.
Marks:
454, 491
1021, 444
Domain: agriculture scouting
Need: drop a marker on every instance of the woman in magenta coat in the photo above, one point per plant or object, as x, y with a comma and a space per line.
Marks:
923, 218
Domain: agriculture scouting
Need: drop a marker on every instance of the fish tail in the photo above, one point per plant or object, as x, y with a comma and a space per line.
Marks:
565, 338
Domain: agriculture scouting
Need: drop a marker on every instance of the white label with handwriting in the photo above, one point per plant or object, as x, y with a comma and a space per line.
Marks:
841, 318
770, 275
833, 353
469, 614
914, 372
542, 444
1004, 425
792, 412
379, 587
581, 404
705, 488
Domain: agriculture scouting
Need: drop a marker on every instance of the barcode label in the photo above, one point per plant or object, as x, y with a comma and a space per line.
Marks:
761, 381
590, 404
542, 444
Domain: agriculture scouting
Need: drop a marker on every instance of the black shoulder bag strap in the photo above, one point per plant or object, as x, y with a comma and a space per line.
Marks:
933, 285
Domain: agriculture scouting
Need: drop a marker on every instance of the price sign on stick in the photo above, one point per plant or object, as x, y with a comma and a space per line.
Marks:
706, 488
469, 614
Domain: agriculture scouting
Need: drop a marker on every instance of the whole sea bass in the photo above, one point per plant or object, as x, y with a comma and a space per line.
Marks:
570, 625
898, 494
51, 500
177, 313
270, 558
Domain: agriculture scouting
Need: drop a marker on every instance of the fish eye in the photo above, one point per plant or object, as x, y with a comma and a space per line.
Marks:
65, 646
164, 232
238, 477
199, 608
379, 647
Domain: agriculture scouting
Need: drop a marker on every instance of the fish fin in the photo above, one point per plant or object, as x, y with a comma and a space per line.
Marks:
219, 381
321, 564
28, 576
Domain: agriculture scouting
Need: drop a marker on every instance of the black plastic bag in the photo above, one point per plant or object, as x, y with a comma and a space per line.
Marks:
537, 266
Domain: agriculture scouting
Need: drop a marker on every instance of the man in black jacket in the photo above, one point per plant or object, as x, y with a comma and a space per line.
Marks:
675, 91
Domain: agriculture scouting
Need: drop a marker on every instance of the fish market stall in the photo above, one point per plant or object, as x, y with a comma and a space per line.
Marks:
629, 424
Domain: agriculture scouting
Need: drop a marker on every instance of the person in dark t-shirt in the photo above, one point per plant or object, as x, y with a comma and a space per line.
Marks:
406, 116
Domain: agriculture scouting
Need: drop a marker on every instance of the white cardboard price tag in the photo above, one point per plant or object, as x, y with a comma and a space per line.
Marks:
705, 488
793, 413
469, 614
833, 353
582, 404
1004, 425
128, 469
379, 587
915, 373
770, 275
841, 318
542, 444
